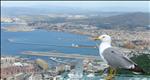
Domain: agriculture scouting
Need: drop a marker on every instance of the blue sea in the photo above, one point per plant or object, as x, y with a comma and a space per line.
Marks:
13, 43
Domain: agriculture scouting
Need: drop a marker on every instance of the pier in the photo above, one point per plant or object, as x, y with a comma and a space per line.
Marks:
57, 54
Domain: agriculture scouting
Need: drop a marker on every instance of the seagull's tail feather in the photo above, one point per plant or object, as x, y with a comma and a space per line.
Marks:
137, 69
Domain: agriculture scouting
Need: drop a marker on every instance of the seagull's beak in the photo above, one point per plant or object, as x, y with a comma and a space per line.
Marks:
97, 38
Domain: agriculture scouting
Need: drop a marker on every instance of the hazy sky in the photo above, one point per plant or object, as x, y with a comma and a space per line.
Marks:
139, 5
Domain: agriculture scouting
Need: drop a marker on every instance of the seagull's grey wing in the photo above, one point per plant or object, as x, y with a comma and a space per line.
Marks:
116, 59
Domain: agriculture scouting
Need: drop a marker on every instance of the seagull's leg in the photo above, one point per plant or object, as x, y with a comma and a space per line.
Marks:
115, 71
110, 74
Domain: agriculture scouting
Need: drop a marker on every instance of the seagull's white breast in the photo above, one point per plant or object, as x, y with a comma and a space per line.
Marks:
102, 47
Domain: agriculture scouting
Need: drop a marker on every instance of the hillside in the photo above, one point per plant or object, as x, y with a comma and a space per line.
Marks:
126, 21
102, 20
129, 20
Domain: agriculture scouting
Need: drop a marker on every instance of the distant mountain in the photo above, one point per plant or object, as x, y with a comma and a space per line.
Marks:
19, 11
106, 20
126, 21
15, 11
137, 18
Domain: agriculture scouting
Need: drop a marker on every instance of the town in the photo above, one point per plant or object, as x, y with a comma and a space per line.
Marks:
16, 68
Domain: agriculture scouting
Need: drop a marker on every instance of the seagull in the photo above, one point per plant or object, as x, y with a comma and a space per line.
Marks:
114, 57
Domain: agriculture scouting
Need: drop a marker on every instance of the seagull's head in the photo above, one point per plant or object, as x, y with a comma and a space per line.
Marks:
103, 38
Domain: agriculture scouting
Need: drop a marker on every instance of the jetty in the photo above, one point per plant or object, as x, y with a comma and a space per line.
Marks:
64, 55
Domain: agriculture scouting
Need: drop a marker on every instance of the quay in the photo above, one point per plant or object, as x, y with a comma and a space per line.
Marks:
57, 54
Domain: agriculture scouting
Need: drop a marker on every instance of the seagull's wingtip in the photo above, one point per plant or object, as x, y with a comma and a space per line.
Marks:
137, 69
